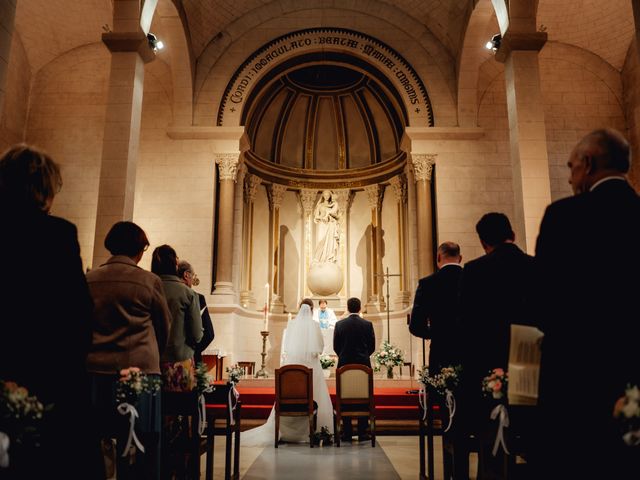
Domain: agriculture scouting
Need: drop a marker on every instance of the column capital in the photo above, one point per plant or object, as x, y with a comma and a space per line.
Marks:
375, 194
423, 165
527, 41
251, 184
275, 192
307, 200
399, 185
227, 164
344, 199
129, 42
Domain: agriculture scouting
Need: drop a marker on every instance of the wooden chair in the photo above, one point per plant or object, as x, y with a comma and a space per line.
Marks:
411, 368
248, 368
354, 398
214, 363
183, 404
294, 397
222, 421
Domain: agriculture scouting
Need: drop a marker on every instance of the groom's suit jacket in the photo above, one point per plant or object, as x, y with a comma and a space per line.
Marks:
354, 340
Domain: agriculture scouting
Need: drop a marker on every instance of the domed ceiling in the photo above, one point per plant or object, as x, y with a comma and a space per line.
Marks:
326, 117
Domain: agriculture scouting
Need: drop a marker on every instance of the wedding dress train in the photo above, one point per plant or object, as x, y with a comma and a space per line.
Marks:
302, 345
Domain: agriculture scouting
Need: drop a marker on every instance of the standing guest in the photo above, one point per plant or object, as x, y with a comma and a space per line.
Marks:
130, 327
177, 364
354, 341
434, 314
495, 293
326, 317
586, 251
190, 279
47, 324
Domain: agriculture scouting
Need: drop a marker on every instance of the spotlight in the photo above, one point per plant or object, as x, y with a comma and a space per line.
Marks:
154, 43
494, 43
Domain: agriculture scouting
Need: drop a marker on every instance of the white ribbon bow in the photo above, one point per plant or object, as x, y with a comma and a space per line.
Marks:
451, 406
632, 438
4, 450
128, 409
233, 395
500, 410
202, 412
422, 399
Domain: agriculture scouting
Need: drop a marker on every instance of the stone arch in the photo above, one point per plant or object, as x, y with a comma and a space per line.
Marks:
412, 40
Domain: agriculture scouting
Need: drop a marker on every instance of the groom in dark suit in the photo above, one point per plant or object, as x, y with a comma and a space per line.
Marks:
589, 259
354, 341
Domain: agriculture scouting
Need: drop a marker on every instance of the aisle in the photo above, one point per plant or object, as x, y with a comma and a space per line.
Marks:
355, 461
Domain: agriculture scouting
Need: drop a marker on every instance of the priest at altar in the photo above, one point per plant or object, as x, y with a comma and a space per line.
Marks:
327, 319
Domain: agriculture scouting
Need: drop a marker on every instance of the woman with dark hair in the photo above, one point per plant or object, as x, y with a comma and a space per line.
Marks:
178, 367
131, 322
45, 312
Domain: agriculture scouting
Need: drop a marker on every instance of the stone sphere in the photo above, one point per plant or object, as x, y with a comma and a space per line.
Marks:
325, 279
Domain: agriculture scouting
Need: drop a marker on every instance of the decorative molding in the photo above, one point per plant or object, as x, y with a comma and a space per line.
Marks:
423, 165
205, 133
251, 184
399, 185
444, 133
275, 192
307, 200
227, 165
375, 194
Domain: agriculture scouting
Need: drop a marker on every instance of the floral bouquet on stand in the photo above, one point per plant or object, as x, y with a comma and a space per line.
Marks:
444, 383
326, 362
495, 384
131, 385
204, 384
388, 356
235, 373
20, 417
627, 412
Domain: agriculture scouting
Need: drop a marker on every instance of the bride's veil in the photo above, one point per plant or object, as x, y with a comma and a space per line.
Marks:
303, 338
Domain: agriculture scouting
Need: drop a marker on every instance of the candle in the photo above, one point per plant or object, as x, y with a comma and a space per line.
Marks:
266, 308
289, 316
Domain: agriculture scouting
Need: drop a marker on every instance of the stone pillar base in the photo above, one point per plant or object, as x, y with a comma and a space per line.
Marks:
247, 300
373, 305
402, 300
276, 304
223, 293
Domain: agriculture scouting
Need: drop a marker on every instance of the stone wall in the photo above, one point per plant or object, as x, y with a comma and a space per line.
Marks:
16, 100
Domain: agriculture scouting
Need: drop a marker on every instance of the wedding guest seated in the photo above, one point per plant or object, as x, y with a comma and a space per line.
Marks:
130, 327
177, 364
45, 312
190, 279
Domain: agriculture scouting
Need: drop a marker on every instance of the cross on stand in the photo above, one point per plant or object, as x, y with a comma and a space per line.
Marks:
386, 276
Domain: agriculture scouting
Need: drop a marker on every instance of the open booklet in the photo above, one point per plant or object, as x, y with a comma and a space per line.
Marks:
524, 365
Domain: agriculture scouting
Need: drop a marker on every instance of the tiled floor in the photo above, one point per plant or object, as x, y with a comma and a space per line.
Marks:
394, 457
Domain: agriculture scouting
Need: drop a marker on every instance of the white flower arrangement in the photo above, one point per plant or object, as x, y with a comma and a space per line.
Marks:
235, 373
446, 380
627, 412
388, 356
327, 361
496, 383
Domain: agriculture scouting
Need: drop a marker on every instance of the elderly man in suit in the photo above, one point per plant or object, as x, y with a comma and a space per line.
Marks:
354, 341
587, 251
434, 314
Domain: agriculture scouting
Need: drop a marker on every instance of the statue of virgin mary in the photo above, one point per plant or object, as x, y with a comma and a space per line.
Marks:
326, 216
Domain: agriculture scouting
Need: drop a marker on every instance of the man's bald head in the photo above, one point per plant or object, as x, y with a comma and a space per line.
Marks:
448, 252
599, 154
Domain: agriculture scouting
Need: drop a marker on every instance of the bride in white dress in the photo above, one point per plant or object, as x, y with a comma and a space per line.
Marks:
302, 345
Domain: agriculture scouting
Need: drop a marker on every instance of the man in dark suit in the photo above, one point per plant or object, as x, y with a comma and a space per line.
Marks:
434, 314
354, 341
587, 250
189, 277
495, 292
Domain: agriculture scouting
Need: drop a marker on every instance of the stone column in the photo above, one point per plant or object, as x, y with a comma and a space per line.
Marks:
527, 133
399, 185
130, 50
307, 201
7, 19
423, 168
227, 170
344, 198
275, 192
250, 188
375, 194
